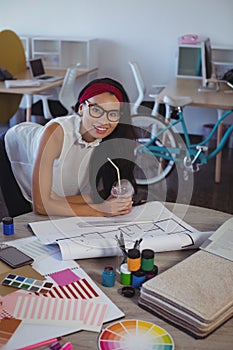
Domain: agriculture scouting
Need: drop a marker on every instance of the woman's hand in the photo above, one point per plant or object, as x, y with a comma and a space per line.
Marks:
116, 206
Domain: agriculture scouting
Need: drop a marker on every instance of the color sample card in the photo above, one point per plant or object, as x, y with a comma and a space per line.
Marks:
81, 289
64, 277
27, 283
7, 328
87, 314
135, 334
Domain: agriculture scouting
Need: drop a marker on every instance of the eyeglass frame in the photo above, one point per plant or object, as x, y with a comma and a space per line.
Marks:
89, 104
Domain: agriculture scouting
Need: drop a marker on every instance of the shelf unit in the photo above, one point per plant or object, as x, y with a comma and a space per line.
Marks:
27, 46
63, 52
222, 57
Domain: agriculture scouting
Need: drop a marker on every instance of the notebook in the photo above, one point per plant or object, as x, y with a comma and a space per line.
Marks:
38, 71
21, 83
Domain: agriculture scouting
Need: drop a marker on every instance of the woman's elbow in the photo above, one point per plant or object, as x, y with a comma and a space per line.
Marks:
39, 208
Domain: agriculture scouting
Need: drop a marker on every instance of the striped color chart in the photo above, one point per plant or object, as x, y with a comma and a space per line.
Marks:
135, 334
81, 289
37, 309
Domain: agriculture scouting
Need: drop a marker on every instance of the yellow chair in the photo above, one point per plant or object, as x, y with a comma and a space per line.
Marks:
12, 58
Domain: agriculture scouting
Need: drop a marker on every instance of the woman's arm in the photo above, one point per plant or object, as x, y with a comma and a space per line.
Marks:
46, 202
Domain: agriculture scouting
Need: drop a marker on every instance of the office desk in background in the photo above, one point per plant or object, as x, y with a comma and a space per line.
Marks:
218, 100
44, 86
202, 219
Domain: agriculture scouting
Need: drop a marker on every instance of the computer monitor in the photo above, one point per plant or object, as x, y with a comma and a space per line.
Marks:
207, 68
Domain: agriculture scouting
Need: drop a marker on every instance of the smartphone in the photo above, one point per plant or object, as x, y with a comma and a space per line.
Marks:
14, 257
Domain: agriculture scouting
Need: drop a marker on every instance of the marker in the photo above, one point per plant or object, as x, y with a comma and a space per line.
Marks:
46, 342
67, 346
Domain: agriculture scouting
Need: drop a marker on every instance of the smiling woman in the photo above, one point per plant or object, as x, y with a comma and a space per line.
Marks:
62, 168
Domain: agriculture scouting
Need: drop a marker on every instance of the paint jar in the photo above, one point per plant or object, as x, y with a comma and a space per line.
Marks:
152, 273
125, 275
133, 260
124, 189
147, 261
138, 278
108, 276
8, 225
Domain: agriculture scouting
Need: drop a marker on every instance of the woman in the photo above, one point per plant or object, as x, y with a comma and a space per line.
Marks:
62, 167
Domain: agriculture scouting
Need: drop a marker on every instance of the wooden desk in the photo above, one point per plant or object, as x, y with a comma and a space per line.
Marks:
44, 86
212, 99
201, 218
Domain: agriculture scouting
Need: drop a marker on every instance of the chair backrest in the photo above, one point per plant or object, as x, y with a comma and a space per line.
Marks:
67, 92
12, 58
140, 85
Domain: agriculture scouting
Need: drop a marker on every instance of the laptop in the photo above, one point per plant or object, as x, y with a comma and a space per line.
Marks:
38, 72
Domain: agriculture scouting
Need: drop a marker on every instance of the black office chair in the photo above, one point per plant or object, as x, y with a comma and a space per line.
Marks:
15, 203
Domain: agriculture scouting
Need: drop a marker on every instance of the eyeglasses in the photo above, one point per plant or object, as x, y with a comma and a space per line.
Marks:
96, 111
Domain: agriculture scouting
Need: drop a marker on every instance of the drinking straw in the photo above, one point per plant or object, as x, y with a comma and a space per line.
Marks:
118, 173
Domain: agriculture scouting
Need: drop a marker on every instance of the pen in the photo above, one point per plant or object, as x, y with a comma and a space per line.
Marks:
46, 342
138, 243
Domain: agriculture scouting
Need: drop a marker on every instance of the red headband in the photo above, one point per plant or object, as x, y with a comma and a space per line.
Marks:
99, 88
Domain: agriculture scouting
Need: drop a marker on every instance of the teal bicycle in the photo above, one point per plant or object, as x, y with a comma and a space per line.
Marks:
160, 146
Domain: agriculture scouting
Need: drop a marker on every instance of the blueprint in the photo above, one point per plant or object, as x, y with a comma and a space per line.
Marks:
89, 237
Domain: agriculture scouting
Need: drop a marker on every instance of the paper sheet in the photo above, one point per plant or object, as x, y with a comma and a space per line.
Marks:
29, 333
88, 237
221, 241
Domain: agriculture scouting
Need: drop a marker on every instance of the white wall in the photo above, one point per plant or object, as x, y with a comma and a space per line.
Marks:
141, 30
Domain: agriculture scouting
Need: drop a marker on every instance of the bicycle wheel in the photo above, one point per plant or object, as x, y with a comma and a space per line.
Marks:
149, 167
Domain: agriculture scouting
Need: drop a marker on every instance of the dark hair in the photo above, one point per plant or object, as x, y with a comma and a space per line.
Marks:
118, 146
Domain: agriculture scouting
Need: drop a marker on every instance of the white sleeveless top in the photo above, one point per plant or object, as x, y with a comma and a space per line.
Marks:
71, 169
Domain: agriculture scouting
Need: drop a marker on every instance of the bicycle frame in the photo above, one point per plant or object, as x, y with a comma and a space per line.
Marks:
191, 150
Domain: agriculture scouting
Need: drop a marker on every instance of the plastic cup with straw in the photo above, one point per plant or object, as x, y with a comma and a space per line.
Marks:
122, 188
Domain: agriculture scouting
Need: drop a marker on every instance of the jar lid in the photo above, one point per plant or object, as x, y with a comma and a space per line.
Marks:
108, 269
124, 269
148, 254
7, 220
133, 253
139, 273
128, 291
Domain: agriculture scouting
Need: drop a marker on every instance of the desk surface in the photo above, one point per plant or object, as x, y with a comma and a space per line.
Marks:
44, 85
200, 218
210, 99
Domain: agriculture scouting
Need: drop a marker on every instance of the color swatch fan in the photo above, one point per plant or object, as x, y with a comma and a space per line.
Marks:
135, 334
